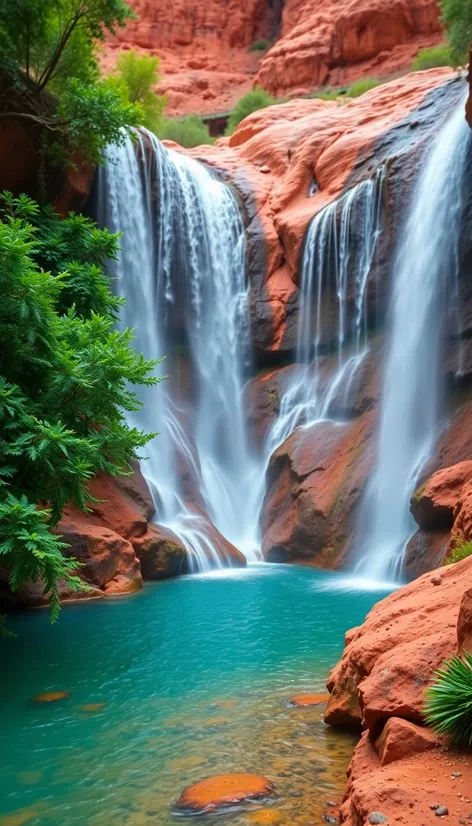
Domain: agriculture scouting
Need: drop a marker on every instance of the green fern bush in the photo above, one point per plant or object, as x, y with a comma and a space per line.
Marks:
448, 705
361, 86
65, 383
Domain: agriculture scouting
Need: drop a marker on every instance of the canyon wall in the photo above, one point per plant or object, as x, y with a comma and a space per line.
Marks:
207, 62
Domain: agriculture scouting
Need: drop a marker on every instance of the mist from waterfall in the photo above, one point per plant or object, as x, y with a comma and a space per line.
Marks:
182, 266
424, 296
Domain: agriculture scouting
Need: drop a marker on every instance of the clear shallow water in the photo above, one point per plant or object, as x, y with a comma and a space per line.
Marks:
195, 674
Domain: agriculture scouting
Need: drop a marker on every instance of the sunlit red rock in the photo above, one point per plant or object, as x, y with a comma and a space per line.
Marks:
464, 623
222, 792
400, 739
389, 660
330, 42
434, 502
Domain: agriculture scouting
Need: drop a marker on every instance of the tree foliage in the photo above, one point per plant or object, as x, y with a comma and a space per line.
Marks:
189, 132
432, 58
136, 78
257, 99
456, 16
448, 706
66, 376
49, 72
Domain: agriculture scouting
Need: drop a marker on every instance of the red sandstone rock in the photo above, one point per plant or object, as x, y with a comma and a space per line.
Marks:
308, 700
400, 739
105, 556
313, 485
425, 551
433, 503
390, 659
462, 527
404, 791
464, 623
328, 42
224, 791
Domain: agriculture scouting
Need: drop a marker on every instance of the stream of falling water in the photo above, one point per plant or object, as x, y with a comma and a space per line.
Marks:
182, 266
339, 253
424, 295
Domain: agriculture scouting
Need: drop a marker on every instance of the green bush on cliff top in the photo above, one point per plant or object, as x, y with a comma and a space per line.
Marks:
188, 132
448, 704
359, 87
432, 58
65, 376
257, 99
458, 552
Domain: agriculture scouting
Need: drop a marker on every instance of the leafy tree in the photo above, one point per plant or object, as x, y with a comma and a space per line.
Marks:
137, 77
189, 132
65, 376
249, 103
49, 73
432, 58
448, 706
456, 16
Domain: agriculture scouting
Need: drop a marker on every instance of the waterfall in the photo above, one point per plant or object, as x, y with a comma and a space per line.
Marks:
182, 272
424, 295
338, 255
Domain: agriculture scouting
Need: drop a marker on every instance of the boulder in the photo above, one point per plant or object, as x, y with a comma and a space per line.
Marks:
105, 557
223, 792
389, 661
400, 739
314, 482
433, 504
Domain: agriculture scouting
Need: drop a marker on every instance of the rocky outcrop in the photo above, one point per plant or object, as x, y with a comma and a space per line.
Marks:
388, 661
434, 503
206, 55
330, 42
400, 766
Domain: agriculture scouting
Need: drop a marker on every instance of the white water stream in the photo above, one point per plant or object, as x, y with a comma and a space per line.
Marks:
182, 263
424, 296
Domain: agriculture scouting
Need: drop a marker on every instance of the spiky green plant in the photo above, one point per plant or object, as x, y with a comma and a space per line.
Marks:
448, 704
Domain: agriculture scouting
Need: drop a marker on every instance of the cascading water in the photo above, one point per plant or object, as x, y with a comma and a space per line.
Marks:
339, 252
424, 287
182, 268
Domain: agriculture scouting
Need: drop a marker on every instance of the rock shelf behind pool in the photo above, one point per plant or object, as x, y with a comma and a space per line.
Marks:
222, 792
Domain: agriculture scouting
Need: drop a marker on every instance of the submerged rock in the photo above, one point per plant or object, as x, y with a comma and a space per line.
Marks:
308, 700
52, 696
223, 792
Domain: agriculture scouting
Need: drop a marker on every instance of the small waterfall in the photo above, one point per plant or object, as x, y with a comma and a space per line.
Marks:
182, 272
339, 252
424, 289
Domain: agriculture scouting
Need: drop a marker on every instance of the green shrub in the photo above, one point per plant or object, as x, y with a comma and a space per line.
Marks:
137, 76
65, 381
359, 87
458, 552
188, 132
260, 46
257, 99
456, 16
448, 705
432, 58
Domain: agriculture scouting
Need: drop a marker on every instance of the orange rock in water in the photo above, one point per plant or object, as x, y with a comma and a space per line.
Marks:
308, 700
92, 708
52, 696
265, 817
224, 791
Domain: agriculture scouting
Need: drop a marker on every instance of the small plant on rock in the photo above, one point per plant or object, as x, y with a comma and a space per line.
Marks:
448, 705
257, 99
361, 86
260, 46
460, 550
